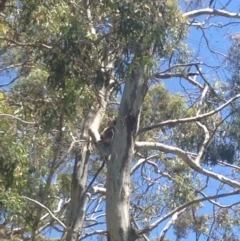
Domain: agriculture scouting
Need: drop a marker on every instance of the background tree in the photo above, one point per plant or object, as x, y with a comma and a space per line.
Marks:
68, 69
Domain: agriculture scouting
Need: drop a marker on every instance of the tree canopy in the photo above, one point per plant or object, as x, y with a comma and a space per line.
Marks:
119, 120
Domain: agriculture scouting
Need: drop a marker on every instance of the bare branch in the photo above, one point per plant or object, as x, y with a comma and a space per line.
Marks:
41, 205
219, 205
13, 66
185, 156
17, 118
206, 132
205, 142
141, 161
96, 232
210, 11
178, 209
189, 119
11, 82
157, 171
7, 233
221, 163
173, 75
25, 44
135, 223
186, 76
170, 223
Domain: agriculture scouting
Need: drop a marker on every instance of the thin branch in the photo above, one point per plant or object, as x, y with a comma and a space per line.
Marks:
178, 209
189, 119
205, 80
141, 161
167, 75
218, 25
17, 118
181, 65
38, 231
173, 75
41, 205
208, 46
218, 204
221, 163
157, 171
26, 44
170, 223
60, 204
135, 223
95, 176
13, 66
11, 82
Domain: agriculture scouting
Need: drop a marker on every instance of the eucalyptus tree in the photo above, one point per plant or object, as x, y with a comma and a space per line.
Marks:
71, 68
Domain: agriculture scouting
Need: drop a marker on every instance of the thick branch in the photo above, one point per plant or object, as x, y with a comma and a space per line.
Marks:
189, 119
186, 76
185, 156
96, 232
204, 128
210, 11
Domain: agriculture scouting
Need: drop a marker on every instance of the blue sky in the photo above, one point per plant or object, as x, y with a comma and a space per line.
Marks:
218, 39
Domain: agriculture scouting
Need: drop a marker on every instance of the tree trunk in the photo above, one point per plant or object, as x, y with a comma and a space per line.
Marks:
79, 196
118, 171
